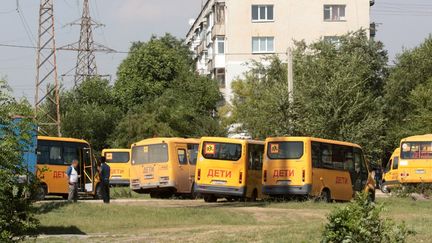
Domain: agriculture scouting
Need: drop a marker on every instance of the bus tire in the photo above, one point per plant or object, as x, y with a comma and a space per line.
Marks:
193, 194
41, 192
325, 196
210, 198
384, 188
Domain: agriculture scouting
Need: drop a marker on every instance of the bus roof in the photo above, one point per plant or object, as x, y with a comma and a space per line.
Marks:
62, 139
115, 150
418, 138
322, 140
166, 140
231, 140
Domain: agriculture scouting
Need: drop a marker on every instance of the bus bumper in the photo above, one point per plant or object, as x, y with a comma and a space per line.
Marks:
287, 190
220, 190
148, 187
119, 182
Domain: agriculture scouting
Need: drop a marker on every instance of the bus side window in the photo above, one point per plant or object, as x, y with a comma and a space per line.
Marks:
349, 159
326, 156
316, 154
181, 153
395, 165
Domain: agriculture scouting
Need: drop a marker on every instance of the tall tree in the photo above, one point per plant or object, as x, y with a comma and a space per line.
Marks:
90, 112
337, 93
407, 84
16, 211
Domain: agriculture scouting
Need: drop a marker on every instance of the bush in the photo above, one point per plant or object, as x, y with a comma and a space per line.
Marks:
404, 191
360, 221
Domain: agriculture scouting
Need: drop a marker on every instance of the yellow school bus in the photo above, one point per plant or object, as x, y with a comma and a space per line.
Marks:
55, 155
163, 167
320, 168
119, 162
410, 164
229, 168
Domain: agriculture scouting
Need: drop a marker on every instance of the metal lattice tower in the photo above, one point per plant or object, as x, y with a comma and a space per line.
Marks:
47, 100
86, 47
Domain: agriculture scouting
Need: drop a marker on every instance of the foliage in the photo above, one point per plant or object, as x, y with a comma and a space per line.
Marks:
90, 111
337, 94
16, 217
407, 94
150, 68
162, 95
184, 110
360, 221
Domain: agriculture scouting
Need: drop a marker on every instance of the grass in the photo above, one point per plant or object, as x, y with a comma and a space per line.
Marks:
187, 220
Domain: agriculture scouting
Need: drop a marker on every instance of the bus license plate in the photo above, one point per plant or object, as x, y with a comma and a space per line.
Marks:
420, 171
219, 182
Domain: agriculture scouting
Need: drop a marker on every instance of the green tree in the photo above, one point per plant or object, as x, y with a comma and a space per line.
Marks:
150, 68
337, 94
162, 95
407, 85
90, 111
16, 217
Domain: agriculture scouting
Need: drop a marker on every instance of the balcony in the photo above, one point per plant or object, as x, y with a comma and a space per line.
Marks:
218, 30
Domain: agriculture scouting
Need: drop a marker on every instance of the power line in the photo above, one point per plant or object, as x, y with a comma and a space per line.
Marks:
58, 49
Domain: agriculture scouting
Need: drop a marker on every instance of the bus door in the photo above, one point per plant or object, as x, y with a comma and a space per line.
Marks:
192, 155
359, 174
87, 166
254, 174
182, 179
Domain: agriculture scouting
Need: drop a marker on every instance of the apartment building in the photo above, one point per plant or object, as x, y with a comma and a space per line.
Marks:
227, 34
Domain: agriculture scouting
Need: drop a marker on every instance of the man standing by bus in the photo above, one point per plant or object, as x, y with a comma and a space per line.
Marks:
104, 175
72, 176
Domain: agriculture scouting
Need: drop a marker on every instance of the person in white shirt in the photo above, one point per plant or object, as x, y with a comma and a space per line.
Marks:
72, 176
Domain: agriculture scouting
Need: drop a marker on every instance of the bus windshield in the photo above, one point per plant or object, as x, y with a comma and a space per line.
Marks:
416, 150
285, 150
153, 153
117, 157
222, 151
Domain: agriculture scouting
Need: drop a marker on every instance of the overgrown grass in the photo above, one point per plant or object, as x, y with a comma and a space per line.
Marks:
185, 220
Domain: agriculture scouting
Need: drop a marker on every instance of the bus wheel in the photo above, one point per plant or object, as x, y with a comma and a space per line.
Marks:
193, 194
385, 189
210, 198
325, 196
40, 193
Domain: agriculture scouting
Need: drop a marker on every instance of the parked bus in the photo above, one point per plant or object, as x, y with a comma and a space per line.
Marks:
229, 168
163, 167
410, 164
119, 162
55, 155
321, 168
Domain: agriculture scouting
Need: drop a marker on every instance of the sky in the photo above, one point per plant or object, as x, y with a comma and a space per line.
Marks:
403, 24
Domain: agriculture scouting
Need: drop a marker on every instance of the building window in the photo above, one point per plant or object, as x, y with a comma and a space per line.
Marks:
262, 44
332, 39
262, 13
220, 77
334, 12
220, 45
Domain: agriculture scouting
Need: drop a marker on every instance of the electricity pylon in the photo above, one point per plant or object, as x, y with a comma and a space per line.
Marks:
86, 47
47, 100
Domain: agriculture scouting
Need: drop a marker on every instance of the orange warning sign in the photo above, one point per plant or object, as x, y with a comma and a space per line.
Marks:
274, 148
210, 148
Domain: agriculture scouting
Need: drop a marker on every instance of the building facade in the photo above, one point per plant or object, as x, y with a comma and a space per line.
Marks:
228, 34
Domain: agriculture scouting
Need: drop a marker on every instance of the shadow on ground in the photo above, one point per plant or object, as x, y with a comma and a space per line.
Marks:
59, 230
